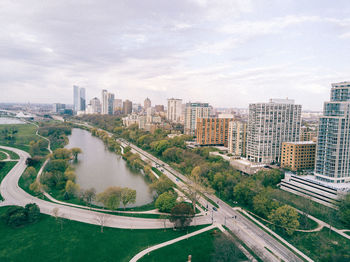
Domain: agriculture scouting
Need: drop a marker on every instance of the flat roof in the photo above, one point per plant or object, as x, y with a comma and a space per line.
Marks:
301, 143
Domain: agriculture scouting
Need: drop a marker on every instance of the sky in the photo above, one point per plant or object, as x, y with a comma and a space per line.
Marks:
226, 52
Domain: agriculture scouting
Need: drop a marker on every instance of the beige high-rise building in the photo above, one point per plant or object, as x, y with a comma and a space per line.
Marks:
237, 138
174, 112
127, 107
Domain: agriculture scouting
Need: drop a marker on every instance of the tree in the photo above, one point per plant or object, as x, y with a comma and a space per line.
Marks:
70, 175
35, 186
61, 153
89, 195
111, 197
71, 188
285, 217
244, 192
75, 152
29, 173
163, 184
128, 196
263, 203
101, 219
181, 215
33, 212
344, 210
166, 201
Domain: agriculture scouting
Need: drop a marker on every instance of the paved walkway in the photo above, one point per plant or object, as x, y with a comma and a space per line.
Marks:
7, 156
170, 242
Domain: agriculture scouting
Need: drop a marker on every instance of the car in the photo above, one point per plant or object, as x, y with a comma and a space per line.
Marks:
215, 209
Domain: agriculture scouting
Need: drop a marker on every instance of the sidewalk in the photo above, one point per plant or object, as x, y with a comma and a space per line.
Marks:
167, 243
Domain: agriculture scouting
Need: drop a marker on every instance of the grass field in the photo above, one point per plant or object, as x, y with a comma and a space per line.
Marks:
46, 241
2, 155
25, 134
12, 154
200, 247
5, 167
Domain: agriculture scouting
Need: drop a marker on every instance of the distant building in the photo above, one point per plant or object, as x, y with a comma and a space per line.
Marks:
58, 108
79, 99
76, 106
110, 100
237, 138
127, 107
82, 98
174, 111
118, 106
269, 125
95, 105
307, 135
159, 108
212, 131
104, 102
192, 112
298, 155
333, 140
147, 103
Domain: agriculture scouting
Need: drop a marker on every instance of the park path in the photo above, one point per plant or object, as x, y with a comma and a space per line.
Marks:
8, 158
170, 242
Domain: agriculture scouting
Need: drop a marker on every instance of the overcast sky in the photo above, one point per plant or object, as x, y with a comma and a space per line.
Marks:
225, 52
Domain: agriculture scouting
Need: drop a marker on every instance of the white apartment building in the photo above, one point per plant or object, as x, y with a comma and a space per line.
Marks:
192, 112
104, 104
174, 113
270, 124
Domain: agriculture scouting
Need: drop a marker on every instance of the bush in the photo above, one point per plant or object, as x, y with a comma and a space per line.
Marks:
17, 216
166, 201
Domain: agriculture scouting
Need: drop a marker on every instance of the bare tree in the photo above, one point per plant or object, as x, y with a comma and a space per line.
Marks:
55, 212
101, 219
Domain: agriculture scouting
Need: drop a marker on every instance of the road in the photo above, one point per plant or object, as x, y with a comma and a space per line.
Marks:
14, 195
253, 236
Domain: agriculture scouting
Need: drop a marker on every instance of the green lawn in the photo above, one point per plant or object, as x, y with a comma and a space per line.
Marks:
200, 247
25, 134
45, 241
5, 167
12, 154
2, 155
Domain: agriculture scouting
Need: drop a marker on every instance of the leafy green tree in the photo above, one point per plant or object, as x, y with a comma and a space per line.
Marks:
172, 154
128, 196
61, 153
271, 178
285, 217
75, 152
344, 210
111, 197
33, 212
35, 186
181, 215
166, 201
163, 184
263, 203
70, 175
244, 192
29, 173
57, 165
71, 188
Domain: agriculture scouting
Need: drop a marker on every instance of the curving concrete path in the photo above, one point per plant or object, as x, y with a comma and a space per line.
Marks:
14, 195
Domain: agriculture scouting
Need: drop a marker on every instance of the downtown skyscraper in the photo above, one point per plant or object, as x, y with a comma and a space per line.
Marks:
333, 142
79, 99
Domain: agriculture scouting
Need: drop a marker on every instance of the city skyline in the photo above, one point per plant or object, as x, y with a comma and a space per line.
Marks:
226, 53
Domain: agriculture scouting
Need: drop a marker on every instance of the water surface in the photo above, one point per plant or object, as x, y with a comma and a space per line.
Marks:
99, 168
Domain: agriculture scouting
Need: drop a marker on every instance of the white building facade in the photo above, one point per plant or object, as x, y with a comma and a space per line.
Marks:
270, 124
